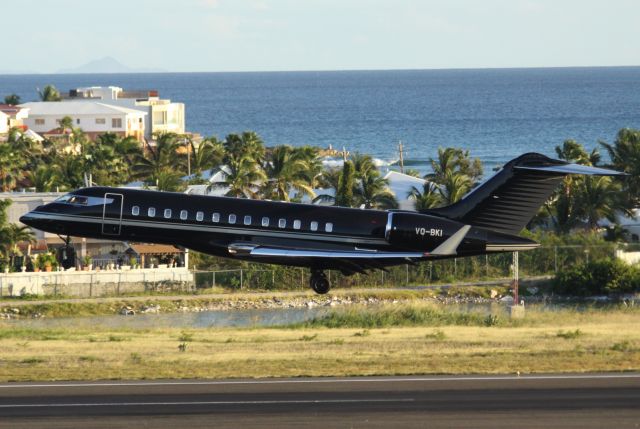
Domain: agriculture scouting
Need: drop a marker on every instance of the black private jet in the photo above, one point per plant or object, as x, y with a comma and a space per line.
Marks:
486, 220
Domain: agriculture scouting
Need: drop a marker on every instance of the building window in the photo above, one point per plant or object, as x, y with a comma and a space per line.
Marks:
167, 213
151, 212
183, 215
328, 227
39, 121
247, 220
215, 217
116, 122
101, 121
77, 120
282, 223
314, 226
135, 210
297, 224
265, 221
199, 216
232, 218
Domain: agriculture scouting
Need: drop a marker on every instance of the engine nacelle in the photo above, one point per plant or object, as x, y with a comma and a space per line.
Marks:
415, 231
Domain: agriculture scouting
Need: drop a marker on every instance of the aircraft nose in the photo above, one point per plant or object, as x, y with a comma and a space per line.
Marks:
27, 219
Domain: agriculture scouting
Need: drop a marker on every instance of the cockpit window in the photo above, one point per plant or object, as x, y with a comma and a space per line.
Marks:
80, 200
77, 199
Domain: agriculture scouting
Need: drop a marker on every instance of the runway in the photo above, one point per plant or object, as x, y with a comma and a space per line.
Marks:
580, 401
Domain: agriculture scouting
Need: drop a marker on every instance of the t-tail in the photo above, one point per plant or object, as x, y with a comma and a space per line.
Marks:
507, 201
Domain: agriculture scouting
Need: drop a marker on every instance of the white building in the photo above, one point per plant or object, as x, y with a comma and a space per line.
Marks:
93, 117
162, 115
11, 116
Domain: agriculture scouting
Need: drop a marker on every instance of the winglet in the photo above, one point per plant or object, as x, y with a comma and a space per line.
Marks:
450, 246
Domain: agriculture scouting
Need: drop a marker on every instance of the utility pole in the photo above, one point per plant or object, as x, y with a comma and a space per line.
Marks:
401, 161
187, 143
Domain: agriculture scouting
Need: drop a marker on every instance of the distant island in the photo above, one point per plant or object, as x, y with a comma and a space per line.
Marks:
107, 65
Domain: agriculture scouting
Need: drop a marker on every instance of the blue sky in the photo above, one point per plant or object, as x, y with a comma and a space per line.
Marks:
246, 35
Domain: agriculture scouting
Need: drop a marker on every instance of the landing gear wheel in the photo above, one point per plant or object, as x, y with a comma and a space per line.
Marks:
319, 282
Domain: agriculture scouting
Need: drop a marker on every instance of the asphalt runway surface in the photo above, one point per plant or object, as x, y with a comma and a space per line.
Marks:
550, 401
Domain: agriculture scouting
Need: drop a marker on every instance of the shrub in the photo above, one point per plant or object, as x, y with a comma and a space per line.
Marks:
598, 277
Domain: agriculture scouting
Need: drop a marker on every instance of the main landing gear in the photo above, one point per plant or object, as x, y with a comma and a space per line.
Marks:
319, 282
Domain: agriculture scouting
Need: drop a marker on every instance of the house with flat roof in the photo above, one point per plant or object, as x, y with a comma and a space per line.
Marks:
93, 117
11, 116
162, 115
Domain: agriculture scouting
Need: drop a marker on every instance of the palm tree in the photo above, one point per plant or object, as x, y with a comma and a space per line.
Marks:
206, 155
454, 160
50, 93
454, 186
244, 178
625, 156
427, 198
346, 183
159, 159
44, 178
329, 179
372, 191
169, 181
11, 167
248, 144
12, 99
286, 169
563, 206
12, 235
598, 197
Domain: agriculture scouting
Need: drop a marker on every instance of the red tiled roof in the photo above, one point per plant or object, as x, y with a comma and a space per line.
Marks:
9, 109
151, 249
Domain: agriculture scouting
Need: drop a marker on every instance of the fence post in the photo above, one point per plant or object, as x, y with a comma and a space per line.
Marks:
241, 278
407, 271
273, 278
486, 265
213, 279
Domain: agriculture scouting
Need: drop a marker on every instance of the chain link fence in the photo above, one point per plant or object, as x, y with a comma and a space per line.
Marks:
538, 262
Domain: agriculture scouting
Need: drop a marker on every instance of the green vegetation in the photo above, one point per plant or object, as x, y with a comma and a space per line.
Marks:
401, 315
599, 277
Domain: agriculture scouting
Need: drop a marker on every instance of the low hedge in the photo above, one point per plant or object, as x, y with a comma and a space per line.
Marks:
599, 277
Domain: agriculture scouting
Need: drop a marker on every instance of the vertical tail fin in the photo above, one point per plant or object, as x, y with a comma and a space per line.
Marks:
507, 201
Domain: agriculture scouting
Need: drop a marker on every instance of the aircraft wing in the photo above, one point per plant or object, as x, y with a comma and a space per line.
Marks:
280, 252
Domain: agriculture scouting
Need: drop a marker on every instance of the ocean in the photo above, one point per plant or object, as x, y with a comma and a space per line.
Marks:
497, 114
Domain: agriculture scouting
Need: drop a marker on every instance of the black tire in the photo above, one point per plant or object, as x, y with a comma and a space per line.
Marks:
320, 284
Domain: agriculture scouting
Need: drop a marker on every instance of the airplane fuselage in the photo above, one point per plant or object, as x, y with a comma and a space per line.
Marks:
228, 226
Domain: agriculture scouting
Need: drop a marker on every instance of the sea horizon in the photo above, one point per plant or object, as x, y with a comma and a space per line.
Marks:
496, 113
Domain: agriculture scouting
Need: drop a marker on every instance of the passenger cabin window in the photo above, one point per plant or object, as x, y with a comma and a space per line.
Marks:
167, 213
282, 223
247, 220
265, 221
151, 212
328, 227
215, 217
314, 226
135, 210
183, 215
232, 219
199, 216
296, 224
